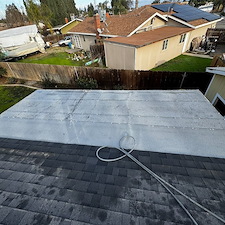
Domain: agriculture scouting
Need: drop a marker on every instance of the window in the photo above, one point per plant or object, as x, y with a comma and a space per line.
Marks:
182, 38
152, 21
77, 42
165, 44
219, 104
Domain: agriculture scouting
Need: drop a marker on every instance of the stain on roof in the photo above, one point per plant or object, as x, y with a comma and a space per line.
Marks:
149, 37
58, 184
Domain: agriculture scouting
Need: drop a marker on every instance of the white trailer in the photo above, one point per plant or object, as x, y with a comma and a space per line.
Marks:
21, 41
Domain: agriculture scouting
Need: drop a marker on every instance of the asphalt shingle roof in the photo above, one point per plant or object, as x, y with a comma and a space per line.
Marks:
149, 37
123, 25
49, 183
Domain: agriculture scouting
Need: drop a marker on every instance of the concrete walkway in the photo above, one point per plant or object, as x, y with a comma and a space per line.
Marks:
19, 85
198, 55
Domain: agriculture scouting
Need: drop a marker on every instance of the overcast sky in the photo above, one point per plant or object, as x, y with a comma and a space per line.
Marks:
79, 4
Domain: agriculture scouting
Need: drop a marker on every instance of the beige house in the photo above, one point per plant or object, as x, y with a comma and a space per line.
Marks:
216, 90
145, 37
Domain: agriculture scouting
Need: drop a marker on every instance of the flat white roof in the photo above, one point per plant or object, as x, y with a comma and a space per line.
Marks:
181, 121
216, 70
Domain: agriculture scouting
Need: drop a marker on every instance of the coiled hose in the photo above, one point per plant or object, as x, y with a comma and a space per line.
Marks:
164, 183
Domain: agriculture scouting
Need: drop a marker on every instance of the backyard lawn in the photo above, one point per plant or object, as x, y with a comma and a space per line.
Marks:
185, 63
58, 58
12, 95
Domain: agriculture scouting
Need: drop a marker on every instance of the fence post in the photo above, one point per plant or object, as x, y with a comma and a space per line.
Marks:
184, 75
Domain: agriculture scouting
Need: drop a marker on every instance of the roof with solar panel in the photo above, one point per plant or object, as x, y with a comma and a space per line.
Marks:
186, 12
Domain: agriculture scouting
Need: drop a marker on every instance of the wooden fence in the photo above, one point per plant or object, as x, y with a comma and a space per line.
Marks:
109, 78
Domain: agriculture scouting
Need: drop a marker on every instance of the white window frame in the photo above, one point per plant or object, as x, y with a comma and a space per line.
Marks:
216, 98
77, 41
182, 38
165, 44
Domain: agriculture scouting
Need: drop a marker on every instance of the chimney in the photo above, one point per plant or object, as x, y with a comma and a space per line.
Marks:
136, 4
66, 20
97, 24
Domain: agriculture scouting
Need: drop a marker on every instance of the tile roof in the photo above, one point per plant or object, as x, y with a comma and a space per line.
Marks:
59, 184
149, 37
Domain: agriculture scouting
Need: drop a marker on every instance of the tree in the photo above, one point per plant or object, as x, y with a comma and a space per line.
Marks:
90, 10
120, 6
156, 2
219, 5
197, 3
14, 17
60, 10
38, 13
103, 5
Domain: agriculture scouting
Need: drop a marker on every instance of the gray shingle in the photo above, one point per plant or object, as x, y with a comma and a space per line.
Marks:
76, 188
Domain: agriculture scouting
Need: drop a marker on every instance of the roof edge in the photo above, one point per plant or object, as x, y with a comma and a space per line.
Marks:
155, 14
70, 23
80, 33
140, 46
180, 21
205, 24
216, 70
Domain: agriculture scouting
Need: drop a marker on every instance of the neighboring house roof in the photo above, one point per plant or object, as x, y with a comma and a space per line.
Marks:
59, 27
149, 37
123, 25
216, 70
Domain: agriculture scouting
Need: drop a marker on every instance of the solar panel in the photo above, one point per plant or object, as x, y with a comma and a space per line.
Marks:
186, 12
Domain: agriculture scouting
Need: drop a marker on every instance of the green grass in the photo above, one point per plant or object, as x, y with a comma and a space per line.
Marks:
184, 63
12, 95
59, 58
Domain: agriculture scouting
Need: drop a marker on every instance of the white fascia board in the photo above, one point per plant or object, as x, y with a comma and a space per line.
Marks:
216, 70
78, 33
151, 17
211, 22
181, 21
70, 23
108, 35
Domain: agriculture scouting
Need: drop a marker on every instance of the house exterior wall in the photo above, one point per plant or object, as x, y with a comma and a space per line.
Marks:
217, 86
85, 41
156, 23
65, 29
150, 56
119, 56
174, 23
198, 32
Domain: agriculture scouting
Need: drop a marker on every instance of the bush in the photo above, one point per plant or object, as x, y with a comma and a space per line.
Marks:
2, 71
12, 80
86, 83
47, 83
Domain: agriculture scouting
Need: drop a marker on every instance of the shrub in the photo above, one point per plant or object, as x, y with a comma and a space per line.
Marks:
86, 83
2, 71
47, 83
12, 80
